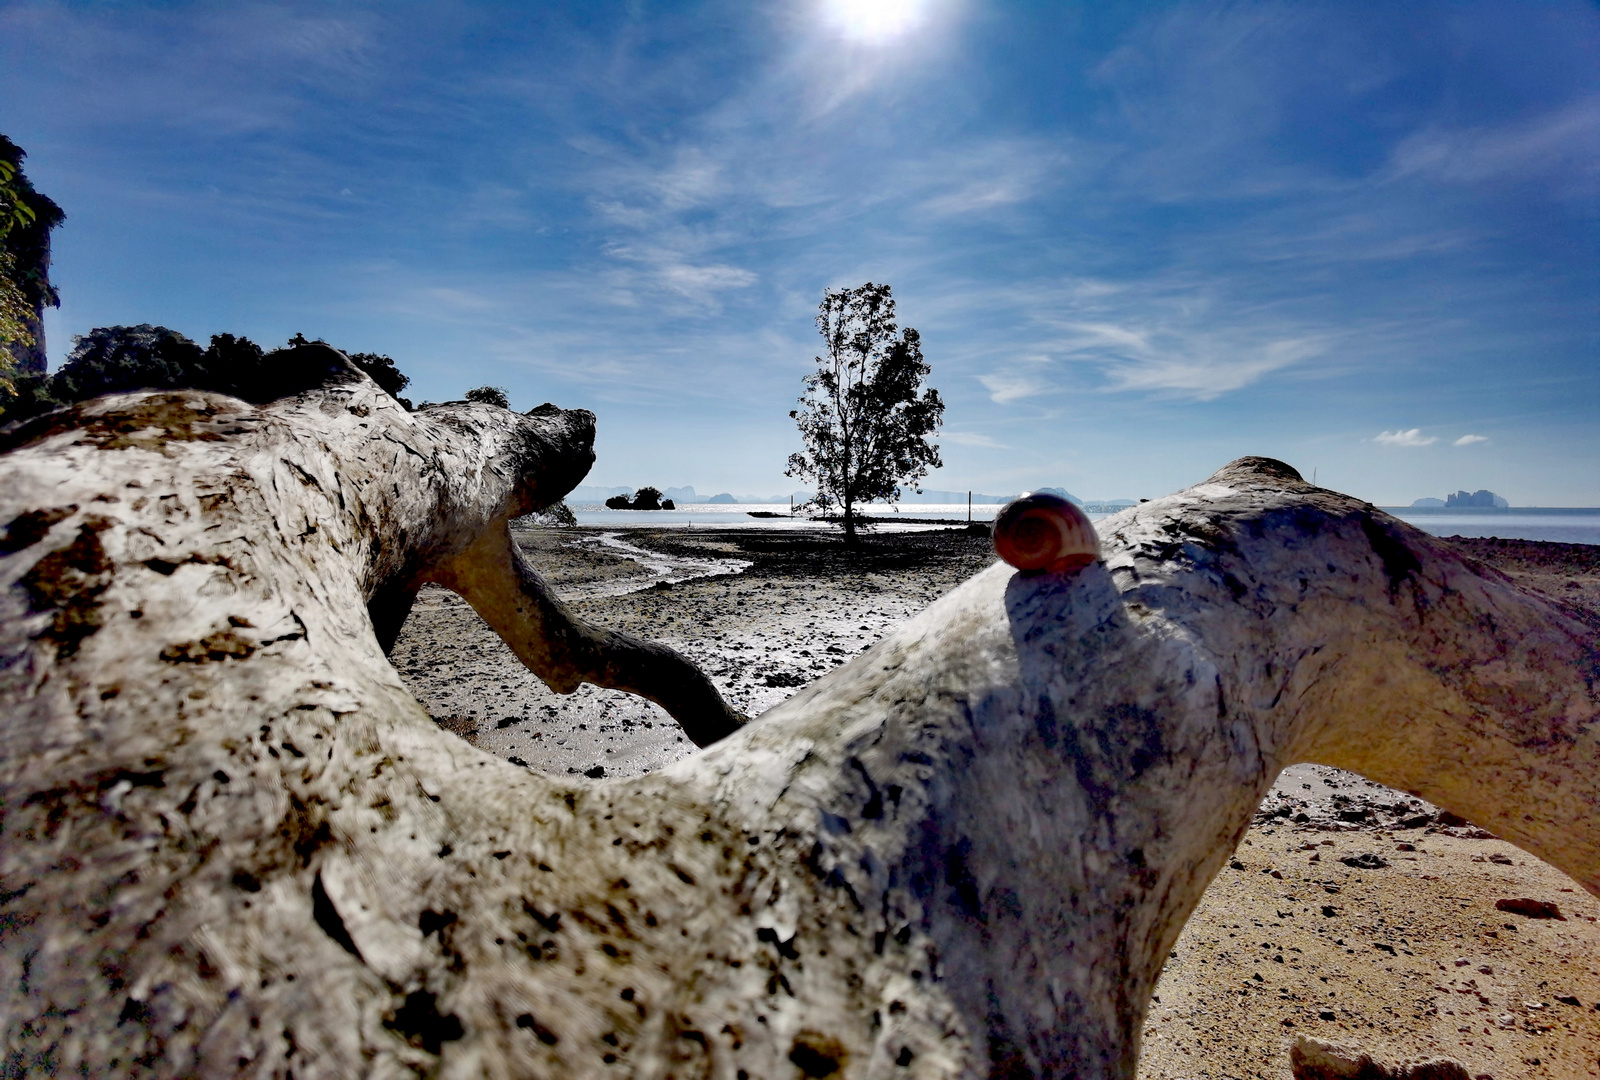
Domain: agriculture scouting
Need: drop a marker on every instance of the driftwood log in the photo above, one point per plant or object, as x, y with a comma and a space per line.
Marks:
234, 844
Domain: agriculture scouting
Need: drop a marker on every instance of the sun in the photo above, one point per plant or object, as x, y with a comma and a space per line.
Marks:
873, 22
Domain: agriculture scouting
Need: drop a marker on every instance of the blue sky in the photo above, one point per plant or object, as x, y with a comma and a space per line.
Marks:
1138, 240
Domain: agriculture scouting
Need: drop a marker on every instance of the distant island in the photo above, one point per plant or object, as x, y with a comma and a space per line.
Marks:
1462, 500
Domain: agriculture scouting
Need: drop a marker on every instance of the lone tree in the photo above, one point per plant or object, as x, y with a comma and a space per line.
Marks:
864, 417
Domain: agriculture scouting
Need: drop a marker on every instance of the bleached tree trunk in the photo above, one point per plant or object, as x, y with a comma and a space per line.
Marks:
234, 844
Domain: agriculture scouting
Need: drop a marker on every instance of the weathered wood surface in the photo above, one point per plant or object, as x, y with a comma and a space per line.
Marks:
233, 843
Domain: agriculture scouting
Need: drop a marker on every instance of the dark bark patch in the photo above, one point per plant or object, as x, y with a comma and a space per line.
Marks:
550, 922
785, 948
959, 877
540, 1032
1399, 562
70, 581
28, 529
327, 917
225, 644
817, 1055
434, 922
421, 1022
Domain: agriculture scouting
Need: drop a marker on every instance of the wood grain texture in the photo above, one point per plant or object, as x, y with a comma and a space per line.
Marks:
233, 844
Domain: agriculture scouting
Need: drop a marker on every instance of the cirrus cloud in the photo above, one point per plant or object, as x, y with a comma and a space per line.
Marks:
1408, 437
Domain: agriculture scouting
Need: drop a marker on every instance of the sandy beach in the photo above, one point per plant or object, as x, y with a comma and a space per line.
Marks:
1351, 913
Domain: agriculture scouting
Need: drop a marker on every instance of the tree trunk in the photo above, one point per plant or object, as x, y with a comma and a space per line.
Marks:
234, 843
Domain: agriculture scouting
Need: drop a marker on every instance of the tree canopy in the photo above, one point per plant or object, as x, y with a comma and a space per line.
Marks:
116, 359
646, 498
864, 417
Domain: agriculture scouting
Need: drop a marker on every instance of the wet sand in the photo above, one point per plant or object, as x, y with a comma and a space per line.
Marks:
1389, 960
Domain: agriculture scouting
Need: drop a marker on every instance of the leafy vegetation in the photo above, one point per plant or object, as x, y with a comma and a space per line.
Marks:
26, 218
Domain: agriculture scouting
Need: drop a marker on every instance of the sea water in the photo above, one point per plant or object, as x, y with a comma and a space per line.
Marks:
777, 516
1567, 525
1563, 525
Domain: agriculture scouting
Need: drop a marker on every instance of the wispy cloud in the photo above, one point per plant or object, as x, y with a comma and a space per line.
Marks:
1468, 440
1561, 145
1408, 437
1006, 387
970, 438
700, 283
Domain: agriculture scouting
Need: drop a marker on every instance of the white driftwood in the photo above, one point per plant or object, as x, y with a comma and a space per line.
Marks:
234, 844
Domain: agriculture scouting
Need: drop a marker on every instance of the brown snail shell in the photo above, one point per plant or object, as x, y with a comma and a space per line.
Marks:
1044, 532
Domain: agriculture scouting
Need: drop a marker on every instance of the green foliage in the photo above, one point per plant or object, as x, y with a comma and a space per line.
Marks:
15, 311
381, 369
14, 209
116, 359
560, 514
862, 419
24, 394
489, 395
26, 218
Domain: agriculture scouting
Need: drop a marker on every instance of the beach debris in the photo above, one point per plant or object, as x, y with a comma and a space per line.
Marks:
1042, 532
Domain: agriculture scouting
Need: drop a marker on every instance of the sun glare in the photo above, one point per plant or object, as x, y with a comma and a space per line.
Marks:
873, 21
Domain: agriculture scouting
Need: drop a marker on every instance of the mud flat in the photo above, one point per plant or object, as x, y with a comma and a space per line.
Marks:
1352, 913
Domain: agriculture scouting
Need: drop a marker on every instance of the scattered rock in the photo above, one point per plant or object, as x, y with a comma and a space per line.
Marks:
1533, 909
1365, 861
